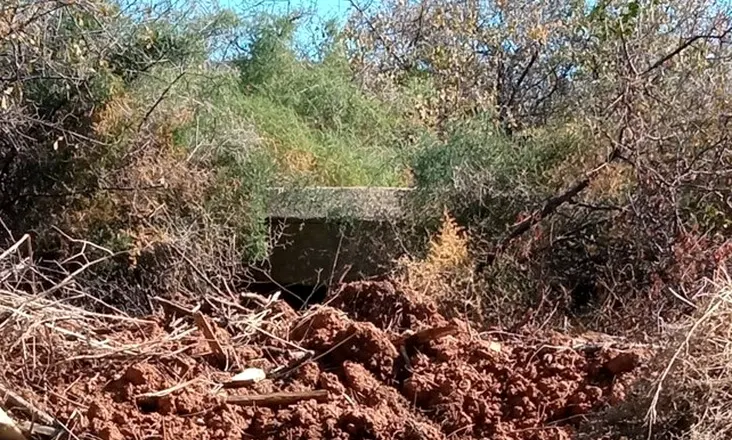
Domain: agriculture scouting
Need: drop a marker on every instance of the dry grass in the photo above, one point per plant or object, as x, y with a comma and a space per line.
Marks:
445, 274
687, 394
49, 338
698, 376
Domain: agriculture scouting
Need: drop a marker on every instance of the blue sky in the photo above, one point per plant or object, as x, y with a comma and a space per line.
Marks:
317, 12
323, 9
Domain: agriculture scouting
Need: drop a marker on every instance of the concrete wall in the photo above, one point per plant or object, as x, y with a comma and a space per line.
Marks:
323, 234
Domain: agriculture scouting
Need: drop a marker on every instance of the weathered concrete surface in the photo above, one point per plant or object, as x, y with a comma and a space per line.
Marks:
324, 234
361, 203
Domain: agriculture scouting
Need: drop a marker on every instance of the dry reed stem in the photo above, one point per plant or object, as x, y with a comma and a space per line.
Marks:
698, 368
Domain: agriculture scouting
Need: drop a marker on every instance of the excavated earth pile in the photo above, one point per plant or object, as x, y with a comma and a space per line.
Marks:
374, 363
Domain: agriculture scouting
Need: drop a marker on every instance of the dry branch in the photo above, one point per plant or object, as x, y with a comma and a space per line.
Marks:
205, 327
286, 370
233, 305
170, 306
549, 208
14, 400
38, 430
14, 247
278, 399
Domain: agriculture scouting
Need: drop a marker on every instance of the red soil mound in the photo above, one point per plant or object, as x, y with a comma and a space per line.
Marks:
392, 367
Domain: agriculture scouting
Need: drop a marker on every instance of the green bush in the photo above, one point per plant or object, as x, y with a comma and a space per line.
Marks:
322, 128
486, 177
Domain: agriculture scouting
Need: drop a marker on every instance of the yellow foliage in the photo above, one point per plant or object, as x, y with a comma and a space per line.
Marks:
446, 271
539, 34
298, 161
614, 182
449, 249
113, 116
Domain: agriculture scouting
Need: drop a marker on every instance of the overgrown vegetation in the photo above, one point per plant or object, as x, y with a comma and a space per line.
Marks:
580, 153
138, 125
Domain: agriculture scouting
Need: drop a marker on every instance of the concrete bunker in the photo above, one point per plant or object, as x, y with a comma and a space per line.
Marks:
321, 236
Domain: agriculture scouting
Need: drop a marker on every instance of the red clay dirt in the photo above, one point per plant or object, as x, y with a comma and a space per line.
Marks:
386, 378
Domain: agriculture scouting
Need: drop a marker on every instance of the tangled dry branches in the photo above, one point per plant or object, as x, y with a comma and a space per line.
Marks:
47, 340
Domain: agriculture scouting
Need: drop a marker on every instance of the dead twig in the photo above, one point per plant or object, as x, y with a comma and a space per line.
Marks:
551, 205
170, 306
286, 370
36, 429
12, 399
14, 247
159, 100
278, 399
239, 307
199, 272
256, 298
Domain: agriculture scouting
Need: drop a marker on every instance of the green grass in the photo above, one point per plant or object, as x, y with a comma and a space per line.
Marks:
312, 125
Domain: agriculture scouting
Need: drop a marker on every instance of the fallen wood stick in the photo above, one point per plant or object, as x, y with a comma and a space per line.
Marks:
171, 306
424, 336
15, 400
278, 399
36, 429
203, 325
286, 370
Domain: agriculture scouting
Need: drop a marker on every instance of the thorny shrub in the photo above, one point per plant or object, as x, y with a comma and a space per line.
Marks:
98, 111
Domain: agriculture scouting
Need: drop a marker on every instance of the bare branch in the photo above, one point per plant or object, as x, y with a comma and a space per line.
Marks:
682, 47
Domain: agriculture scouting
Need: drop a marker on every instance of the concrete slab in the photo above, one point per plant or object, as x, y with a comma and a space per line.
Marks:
362, 203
